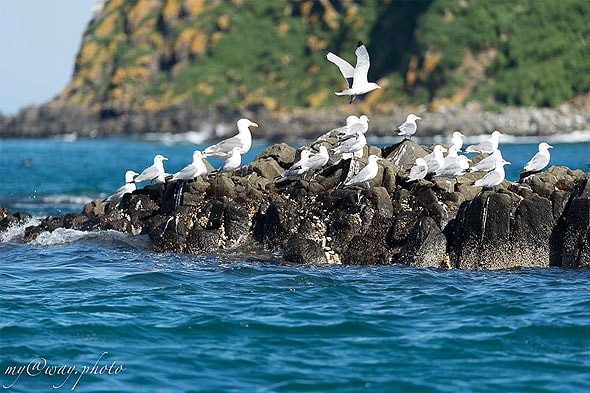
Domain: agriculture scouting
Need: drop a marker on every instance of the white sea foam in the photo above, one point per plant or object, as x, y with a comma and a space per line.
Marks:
15, 232
62, 236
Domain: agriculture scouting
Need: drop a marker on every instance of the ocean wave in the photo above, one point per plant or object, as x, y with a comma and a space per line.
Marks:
16, 232
108, 238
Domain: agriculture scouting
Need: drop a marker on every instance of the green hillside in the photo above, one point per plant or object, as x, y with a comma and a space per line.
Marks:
153, 55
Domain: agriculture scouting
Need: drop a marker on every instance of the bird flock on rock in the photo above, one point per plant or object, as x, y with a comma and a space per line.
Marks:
351, 142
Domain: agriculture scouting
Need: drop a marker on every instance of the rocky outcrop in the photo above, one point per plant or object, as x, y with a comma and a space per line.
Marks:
314, 220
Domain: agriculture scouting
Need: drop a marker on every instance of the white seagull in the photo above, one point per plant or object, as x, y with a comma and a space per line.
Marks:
366, 174
494, 177
435, 159
353, 143
409, 127
195, 168
156, 171
538, 162
457, 140
486, 146
317, 161
297, 169
233, 162
419, 170
127, 188
243, 140
356, 77
488, 163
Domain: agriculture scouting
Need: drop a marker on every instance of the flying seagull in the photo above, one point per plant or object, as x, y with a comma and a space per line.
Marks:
243, 140
356, 77
538, 162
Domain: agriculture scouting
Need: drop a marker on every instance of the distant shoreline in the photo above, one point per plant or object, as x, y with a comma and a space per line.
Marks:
47, 121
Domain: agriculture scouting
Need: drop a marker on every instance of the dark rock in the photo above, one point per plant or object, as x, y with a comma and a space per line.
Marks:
575, 225
305, 251
282, 153
426, 245
201, 241
370, 248
278, 224
379, 199
342, 229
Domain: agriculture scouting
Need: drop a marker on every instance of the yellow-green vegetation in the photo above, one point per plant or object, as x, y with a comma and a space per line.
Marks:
154, 54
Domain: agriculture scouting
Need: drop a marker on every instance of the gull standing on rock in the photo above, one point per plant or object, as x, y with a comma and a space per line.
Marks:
409, 127
127, 188
196, 168
317, 161
457, 140
233, 162
435, 159
488, 163
243, 140
156, 171
419, 170
538, 162
454, 165
493, 178
356, 77
488, 146
366, 174
297, 169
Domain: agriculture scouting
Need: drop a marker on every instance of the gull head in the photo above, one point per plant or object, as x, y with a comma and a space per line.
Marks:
159, 158
243, 124
544, 146
413, 117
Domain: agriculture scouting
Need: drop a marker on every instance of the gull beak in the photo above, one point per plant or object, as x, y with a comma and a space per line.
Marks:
254, 124
444, 149
418, 118
164, 158
549, 147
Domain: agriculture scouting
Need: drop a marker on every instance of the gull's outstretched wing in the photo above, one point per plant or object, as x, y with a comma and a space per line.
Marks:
346, 69
362, 64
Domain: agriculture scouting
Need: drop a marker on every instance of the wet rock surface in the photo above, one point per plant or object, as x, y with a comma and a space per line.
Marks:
542, 222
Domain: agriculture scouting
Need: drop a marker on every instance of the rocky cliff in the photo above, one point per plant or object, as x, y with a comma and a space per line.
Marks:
314, 220
169, 65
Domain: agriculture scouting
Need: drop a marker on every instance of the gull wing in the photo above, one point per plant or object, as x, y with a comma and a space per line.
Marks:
346, 69
362, 64
538, 162
148, 173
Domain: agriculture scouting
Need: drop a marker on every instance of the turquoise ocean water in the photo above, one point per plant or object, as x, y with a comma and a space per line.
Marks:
100, 312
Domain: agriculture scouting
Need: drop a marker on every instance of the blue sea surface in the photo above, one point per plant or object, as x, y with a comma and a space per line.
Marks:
101, 312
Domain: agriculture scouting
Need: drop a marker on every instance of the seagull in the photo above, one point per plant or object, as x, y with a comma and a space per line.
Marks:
353, 143
195, 168
317, 161
435, 159
538, 162
419, 170
488, 163
356, 77
156, 171
486, 146
409, 127
297, 169
233, 162
457, 140
494, 177
127, 188
366, 174
453, 168
243, 140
